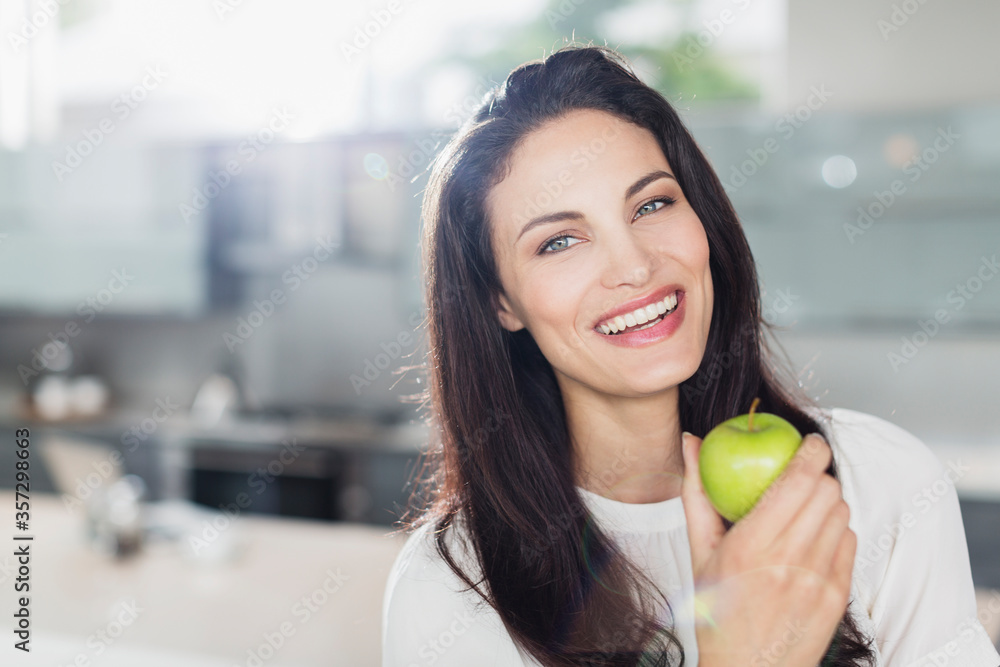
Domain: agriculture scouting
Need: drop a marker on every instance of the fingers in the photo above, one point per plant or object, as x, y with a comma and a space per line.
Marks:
822, 553
690, 447
789, 492
704, 524
817, 526
843, 562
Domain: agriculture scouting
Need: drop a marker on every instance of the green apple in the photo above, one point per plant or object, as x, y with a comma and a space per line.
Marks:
740, 458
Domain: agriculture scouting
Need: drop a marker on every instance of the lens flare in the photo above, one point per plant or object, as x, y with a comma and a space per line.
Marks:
376, 166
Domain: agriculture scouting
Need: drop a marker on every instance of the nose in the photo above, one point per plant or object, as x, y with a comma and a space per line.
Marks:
627, 259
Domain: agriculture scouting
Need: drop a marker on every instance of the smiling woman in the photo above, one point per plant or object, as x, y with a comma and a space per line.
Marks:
605, 279
605, 272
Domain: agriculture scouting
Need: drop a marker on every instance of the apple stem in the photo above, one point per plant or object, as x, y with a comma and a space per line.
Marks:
753, 406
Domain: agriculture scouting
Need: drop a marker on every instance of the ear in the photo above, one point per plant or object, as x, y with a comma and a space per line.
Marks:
506, 315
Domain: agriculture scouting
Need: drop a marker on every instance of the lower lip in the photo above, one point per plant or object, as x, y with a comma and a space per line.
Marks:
662, 329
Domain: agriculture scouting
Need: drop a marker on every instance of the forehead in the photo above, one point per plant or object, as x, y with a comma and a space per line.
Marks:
584, 151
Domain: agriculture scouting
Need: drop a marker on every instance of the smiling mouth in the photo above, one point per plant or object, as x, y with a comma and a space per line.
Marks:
641, 318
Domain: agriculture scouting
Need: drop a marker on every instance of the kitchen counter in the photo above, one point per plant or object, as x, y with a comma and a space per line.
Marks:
207, 611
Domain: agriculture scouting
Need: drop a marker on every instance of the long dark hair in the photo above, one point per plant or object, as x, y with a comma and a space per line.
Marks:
500, 471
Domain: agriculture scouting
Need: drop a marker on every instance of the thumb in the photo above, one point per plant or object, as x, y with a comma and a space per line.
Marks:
704, 525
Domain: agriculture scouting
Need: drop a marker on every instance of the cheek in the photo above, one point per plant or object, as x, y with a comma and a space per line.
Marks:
550, 302
698, 262
683, 240
696, 241
690, 249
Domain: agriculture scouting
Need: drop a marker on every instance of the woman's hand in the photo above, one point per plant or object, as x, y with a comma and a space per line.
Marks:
773, 589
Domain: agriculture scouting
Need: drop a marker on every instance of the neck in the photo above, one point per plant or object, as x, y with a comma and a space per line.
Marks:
625, 448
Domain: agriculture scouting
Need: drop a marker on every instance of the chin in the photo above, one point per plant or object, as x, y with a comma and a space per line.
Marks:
651, 384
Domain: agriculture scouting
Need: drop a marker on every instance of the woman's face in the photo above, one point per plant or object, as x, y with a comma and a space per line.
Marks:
590, 223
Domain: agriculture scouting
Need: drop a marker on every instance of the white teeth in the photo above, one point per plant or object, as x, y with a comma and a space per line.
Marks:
645, 315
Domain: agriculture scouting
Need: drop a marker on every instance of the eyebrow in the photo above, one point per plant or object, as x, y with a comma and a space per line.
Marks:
559, 216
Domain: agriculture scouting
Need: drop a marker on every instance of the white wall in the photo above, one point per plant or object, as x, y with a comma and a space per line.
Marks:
943, 395
944, 53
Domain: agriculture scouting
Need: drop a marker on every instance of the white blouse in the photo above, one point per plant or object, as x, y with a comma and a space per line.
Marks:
911, 588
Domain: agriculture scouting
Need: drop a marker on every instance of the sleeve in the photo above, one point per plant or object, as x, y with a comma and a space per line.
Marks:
912, 551
428, 618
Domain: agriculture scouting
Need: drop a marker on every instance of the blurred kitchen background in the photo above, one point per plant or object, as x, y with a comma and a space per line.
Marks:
210, 286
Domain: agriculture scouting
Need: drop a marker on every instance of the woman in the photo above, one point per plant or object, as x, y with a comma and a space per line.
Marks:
591, 300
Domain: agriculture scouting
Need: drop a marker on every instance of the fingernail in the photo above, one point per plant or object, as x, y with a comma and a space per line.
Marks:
684, 445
